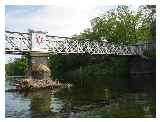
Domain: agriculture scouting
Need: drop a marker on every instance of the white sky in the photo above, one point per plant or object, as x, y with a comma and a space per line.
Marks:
57, 20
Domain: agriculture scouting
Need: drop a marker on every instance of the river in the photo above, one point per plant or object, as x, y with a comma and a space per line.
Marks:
92, 101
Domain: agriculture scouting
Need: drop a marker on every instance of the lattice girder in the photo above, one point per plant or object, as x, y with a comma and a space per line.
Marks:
15, 41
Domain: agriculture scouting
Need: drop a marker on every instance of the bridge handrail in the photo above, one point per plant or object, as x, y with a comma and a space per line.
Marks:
84, 45
17, 32
72, 38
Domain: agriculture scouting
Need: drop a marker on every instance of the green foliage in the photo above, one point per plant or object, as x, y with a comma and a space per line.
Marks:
120, 25
149, 18
17, 68
61, 64
88, 69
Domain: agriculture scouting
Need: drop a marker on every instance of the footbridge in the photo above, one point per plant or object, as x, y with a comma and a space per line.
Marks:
37, 41
39, 44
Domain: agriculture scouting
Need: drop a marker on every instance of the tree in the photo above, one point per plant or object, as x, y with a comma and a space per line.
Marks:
149, 18
119, 25
18, 67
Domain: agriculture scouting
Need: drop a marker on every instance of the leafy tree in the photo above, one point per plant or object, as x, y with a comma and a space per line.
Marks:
18, 67
149, 18
119, 25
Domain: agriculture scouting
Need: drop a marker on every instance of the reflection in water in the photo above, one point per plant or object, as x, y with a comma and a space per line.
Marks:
90, 101
40, 104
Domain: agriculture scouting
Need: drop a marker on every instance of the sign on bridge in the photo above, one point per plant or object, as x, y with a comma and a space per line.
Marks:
39, 42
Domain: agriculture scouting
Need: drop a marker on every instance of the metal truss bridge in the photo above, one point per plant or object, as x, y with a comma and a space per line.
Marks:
21, 43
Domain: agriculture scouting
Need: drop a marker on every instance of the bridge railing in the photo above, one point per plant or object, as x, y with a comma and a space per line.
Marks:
21, 42
15, 41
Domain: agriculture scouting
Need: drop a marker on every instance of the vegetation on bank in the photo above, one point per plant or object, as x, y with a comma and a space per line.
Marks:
17, 68
83, 70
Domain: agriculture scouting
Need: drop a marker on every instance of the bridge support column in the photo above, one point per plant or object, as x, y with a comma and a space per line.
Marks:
142, 73
39, 68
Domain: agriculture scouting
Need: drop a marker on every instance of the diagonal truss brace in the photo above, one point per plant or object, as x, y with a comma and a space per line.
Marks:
22, 42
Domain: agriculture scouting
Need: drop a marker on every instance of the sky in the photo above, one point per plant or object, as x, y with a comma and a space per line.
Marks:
56, 20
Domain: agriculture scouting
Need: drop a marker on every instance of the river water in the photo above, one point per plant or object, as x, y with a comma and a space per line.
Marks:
92, 101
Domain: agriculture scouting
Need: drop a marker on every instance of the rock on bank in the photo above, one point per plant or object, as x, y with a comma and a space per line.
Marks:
31, 84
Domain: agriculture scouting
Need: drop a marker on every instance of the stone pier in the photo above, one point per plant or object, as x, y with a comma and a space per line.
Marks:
39, 74
39, 68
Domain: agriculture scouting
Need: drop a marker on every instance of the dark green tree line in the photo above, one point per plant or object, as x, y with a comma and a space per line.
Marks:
17, 68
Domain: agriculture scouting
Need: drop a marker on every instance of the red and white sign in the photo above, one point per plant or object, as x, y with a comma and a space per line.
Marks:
39, 42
